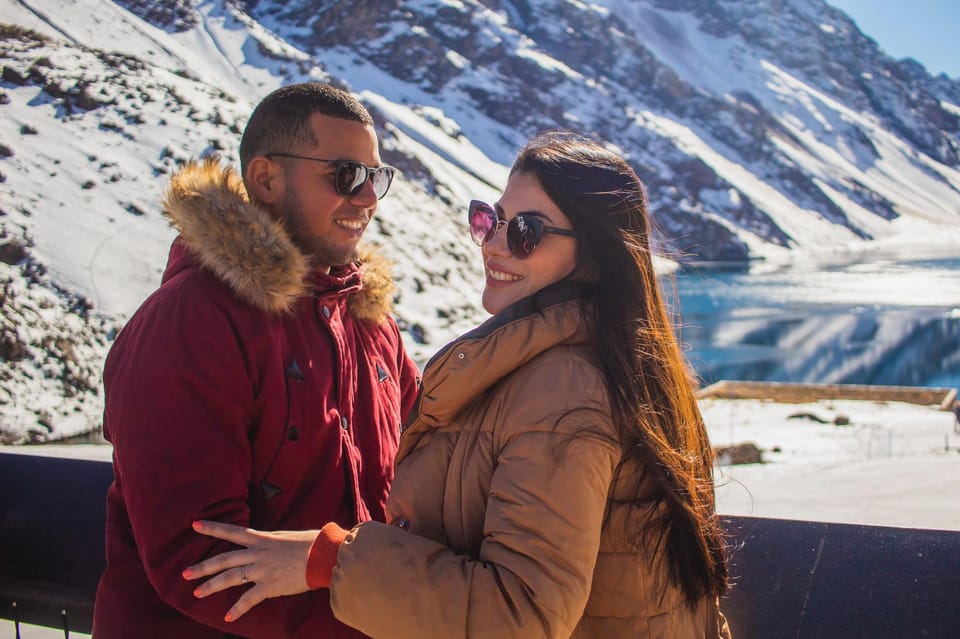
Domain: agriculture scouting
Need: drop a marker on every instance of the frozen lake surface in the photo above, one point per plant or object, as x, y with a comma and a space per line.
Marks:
892, 322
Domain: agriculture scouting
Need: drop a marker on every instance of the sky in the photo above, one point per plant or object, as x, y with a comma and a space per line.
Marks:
926, 30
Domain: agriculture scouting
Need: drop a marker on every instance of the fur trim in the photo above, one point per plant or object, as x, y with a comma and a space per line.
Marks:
251, 252
375, 300
234, 238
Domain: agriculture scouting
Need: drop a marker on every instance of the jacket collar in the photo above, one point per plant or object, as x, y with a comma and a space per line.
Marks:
243, 246
474, 362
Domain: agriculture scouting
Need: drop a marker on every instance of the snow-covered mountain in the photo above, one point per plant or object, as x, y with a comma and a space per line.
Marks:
763, 129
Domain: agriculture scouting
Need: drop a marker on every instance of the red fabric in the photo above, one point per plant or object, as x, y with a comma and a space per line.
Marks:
210, 419
323, 555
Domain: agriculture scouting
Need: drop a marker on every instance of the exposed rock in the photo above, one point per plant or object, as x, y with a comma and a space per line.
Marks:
838, 420
50, 345
171, 15
745, 453
12, 251
811, 416
526, 64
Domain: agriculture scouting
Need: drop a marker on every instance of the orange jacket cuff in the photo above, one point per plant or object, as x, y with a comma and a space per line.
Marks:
323, 555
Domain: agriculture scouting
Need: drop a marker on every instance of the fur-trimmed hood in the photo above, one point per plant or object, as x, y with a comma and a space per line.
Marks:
253, 253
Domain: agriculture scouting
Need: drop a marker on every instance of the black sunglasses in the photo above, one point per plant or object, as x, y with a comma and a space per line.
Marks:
524, 231
350, 176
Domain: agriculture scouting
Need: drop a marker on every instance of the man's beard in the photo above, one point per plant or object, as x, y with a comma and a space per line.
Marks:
320, 249
324, 252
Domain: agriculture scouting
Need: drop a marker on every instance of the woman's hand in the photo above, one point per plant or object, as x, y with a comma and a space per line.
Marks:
274, 562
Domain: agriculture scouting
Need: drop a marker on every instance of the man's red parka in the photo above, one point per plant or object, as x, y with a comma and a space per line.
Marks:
249, 389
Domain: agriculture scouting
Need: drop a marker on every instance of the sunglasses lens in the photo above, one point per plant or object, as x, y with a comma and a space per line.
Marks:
350, 178
523, 235
483, 221
382, 178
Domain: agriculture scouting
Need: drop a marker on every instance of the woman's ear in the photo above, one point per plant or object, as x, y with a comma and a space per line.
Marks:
264, 180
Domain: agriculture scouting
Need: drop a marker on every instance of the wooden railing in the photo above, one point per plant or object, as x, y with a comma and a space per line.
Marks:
794, 393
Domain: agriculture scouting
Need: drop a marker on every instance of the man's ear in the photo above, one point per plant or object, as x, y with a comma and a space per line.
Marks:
264, 180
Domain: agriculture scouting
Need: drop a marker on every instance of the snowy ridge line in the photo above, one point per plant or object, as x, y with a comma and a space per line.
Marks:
762, 142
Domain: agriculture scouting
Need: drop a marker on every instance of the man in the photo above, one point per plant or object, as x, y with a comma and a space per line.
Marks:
264, 382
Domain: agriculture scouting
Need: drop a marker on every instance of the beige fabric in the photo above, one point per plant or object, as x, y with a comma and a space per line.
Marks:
497, 509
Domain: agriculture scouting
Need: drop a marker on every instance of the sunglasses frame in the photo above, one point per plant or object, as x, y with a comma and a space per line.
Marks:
370, 172
513, 242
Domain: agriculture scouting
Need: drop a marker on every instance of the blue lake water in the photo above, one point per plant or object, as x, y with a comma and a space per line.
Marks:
883, 322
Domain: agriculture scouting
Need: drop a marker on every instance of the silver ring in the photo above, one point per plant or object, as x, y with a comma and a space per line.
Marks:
243, 574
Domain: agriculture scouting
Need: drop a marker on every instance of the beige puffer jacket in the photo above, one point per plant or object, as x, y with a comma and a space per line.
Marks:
496, 515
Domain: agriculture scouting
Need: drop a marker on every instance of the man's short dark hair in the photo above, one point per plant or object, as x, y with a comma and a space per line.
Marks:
281, 122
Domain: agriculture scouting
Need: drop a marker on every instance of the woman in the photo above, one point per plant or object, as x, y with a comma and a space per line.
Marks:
555, 479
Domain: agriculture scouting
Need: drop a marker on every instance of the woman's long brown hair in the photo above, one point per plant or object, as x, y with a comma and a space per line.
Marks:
652, 396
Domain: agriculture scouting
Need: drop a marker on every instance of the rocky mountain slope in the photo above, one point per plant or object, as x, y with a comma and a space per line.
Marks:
762, 130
